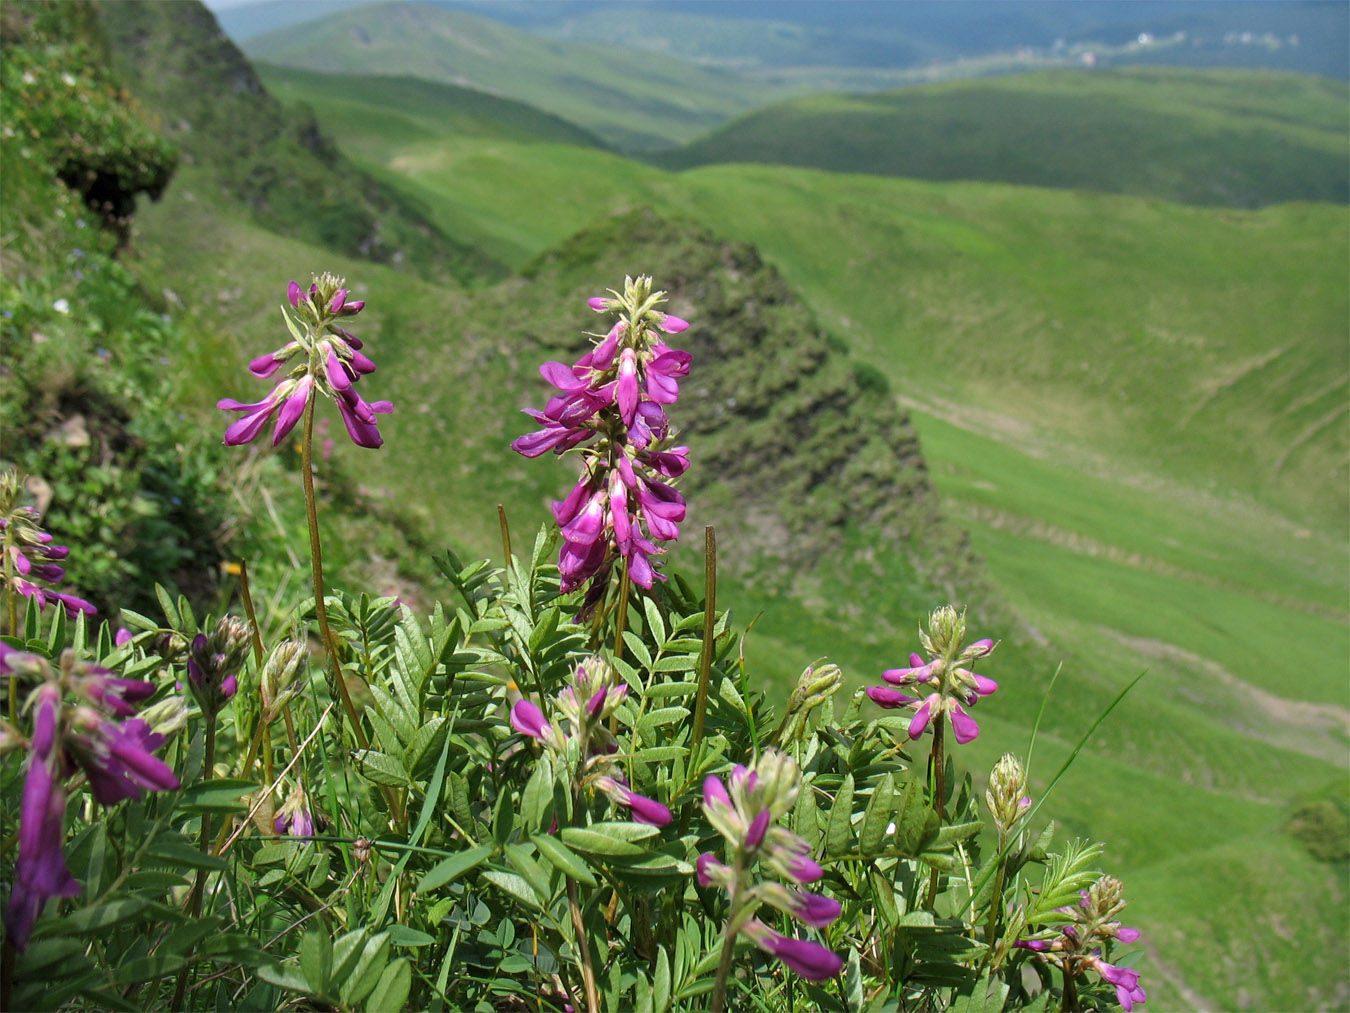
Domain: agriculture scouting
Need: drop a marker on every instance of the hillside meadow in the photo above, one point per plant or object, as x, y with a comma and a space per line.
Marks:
1082, 369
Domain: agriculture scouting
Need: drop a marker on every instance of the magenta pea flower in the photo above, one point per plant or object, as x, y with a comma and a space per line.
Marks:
611, 404
942, 688
745, 810
1083, 944
97, 735
325, 359
579, 734
30, 564
296, 817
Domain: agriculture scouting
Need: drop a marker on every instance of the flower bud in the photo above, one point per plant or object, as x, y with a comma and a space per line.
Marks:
1007, 793
946, 631
282, 672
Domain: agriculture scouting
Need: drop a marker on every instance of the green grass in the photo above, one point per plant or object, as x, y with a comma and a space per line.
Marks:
1235, 138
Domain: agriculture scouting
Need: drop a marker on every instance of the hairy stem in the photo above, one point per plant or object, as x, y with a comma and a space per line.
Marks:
583, 948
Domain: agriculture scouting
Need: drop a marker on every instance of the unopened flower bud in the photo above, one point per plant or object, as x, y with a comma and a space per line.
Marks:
946, 631
1007, 792
281, 674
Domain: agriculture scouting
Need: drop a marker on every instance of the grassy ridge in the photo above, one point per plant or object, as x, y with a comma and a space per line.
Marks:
1235, 138
632, 100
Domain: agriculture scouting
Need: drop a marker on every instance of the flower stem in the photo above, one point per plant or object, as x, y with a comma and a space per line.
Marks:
621, 616
718, 1003
1069, 1000
583, 948
939, 765
996, 901
204, 845
12, 610
578, 923
252, 616
316, 563
709, 624
506, 534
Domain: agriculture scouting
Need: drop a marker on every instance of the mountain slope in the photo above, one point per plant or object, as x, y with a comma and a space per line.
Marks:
631, 100
1237, 138
376, 112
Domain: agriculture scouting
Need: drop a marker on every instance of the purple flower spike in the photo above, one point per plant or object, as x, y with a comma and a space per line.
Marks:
529, 720
612, 398
949, 686
329, 363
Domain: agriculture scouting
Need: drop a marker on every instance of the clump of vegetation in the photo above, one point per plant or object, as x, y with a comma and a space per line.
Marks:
545, 778
1322, 826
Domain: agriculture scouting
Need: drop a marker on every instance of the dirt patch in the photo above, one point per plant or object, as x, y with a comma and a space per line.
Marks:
1319, 730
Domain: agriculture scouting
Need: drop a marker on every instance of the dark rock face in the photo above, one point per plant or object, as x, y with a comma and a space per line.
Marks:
794, 444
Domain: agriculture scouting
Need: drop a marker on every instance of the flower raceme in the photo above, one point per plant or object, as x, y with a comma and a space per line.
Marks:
328, 361
946, 686
99, 734
586, 705
1093, 927
745, 810
612, 403
31, 563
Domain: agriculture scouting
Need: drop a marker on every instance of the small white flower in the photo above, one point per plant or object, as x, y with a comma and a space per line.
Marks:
61, 306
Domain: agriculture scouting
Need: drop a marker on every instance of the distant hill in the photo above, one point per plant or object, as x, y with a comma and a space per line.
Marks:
374, 112
278, 164
1238, 138
629, 98
863, 45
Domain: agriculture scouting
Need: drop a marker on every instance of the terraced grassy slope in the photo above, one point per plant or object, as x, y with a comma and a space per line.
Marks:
631, 99
1139, 410
1237, 138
